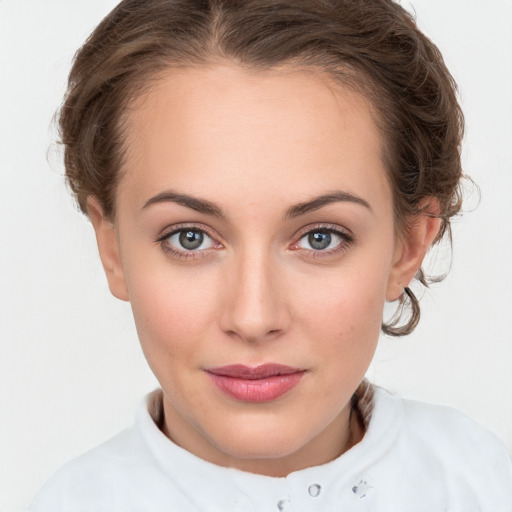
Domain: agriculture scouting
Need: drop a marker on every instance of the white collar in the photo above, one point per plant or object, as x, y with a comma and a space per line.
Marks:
232, 489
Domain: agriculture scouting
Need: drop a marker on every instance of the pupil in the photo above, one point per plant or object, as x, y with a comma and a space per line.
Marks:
191, 239
319, 240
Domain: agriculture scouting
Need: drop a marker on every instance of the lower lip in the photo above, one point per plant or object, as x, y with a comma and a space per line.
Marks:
256, 390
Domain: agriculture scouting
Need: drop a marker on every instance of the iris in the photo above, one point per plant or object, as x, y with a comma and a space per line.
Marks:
191, 240
319, 240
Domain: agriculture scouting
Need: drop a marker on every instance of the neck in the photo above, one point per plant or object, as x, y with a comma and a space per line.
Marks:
346, 430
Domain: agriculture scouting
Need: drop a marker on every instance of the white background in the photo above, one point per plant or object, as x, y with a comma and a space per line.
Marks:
71, 371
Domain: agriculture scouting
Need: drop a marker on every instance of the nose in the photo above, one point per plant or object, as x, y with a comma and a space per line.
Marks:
255, 307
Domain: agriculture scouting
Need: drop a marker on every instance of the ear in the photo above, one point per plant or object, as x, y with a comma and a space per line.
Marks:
421, 232
108, 247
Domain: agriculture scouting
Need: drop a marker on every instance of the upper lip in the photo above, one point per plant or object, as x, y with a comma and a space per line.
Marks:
263, 371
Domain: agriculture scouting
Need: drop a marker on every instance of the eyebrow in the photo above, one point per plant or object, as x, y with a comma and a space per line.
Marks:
194, 203
323, 200
209, 208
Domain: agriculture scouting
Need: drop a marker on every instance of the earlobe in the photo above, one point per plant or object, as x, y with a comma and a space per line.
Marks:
108, 248
421, 232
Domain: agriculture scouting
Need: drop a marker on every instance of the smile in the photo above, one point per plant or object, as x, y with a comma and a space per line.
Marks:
255, 384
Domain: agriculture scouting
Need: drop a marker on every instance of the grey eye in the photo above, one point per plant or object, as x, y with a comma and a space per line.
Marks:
190, 240
319, 240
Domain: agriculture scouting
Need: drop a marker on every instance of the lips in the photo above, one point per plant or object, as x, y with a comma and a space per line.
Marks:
262, 383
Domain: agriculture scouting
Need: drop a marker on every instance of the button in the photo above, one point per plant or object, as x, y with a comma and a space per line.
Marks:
283, 505
314, 490
362, 489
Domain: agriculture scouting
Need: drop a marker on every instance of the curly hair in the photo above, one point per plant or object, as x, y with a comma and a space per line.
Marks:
373, 46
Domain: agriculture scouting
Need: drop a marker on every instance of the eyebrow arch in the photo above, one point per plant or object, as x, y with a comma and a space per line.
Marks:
323, 200
194, 203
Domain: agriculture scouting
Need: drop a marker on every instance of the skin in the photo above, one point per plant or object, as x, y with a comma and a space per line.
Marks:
256, 144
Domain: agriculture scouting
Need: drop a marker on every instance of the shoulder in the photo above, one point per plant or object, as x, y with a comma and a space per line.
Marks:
86, 483
443, 448
449, 432
121, 475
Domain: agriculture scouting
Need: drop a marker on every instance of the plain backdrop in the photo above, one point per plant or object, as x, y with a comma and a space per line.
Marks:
71, 371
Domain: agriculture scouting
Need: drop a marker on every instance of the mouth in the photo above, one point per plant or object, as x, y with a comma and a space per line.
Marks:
263, 383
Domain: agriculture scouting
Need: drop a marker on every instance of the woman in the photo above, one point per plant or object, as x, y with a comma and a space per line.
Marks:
262, 177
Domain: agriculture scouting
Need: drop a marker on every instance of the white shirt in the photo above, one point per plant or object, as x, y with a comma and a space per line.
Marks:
414, 457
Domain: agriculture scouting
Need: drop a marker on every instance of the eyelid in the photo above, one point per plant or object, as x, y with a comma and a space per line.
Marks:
334, 228
183, 254
344, 233
182, 226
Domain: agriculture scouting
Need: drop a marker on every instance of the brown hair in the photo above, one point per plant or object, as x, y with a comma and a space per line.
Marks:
373, 45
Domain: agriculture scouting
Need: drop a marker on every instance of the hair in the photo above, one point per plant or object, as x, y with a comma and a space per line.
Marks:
372, 46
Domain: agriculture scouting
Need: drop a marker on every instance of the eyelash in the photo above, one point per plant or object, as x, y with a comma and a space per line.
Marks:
186, 254
346, 239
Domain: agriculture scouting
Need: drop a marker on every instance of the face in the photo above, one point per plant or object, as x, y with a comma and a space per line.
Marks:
254, 238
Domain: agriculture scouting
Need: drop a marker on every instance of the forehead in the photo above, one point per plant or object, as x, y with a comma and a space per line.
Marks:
224, 126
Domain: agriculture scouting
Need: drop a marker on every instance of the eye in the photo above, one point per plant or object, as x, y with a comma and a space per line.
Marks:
318, 240
323, 239
189, 239
188, 242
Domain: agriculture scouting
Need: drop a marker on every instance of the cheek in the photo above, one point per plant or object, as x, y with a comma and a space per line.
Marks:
342, 315
171, 309
348, 303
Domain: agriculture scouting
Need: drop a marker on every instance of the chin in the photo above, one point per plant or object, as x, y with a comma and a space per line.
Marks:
268, 441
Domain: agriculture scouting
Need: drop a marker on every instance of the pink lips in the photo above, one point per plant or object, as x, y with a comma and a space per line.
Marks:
255, 384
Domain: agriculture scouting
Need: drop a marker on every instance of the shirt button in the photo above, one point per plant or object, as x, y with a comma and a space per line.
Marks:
362, 489
314, 490
283, 505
